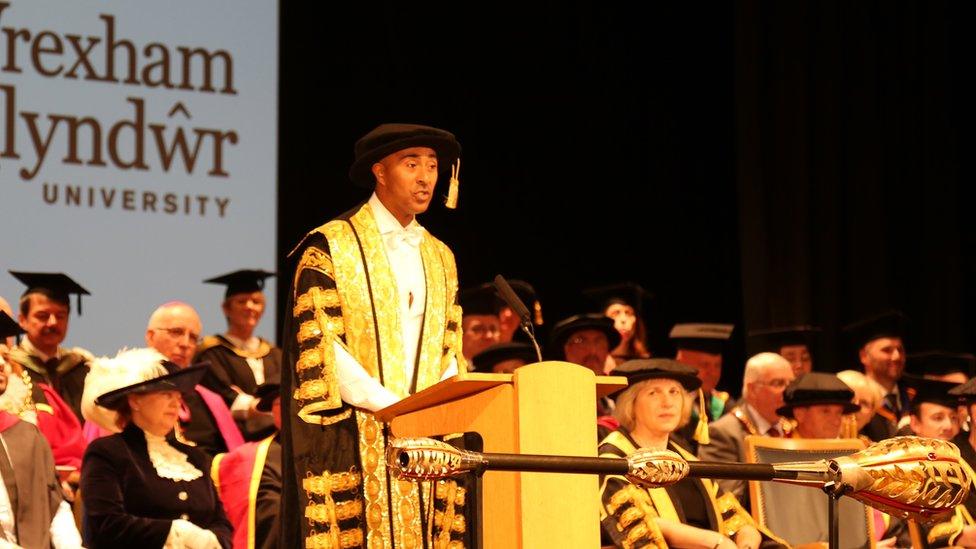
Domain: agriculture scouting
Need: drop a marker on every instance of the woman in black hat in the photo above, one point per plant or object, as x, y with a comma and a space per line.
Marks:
141, 487
690, 513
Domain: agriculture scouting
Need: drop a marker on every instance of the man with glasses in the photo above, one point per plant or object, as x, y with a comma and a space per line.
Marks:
480, 325
766, 377
205, 421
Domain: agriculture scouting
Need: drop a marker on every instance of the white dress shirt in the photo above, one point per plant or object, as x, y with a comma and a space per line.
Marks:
243, 401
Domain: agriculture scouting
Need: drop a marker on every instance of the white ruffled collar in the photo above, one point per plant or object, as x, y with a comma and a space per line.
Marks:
168, 461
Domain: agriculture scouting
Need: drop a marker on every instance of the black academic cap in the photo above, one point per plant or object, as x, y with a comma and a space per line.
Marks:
527, 294
242, 281
266, 394
56, 286
966, 392
8, 326
628, 293
642, 369
939, 363
707, 338
773, 339
569, 326
479, 300
935, 391
889, 323
817, 388
500, 352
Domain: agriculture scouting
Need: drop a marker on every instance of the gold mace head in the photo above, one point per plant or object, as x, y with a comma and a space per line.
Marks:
656, 468
427, 459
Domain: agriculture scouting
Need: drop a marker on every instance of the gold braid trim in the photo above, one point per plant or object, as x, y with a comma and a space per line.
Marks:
325, 513
458, 525
447, 520
371, 445
327, 483
313, 414
335, 540
441, 492
316, 260
310, 358
437, 306
316, 298
639, 525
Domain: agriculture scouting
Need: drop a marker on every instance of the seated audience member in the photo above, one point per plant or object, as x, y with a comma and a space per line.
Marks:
33, 512
765, 378
690, 513
44, 311
794, 343
253, 507
623, 303
961, 531
239, 360
504, 358
700, 346
818, 402
867, 396
480, 325
510, 322
205, 421
585, 340
142, 488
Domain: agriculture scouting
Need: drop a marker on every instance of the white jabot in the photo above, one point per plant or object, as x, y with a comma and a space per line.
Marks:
168, 461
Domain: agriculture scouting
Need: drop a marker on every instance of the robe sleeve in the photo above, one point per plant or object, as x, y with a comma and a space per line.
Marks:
627, 515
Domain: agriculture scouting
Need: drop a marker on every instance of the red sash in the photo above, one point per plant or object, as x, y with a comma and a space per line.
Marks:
221, 414
237, 475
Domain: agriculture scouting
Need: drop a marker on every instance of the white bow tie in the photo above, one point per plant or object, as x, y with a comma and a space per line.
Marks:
411, 236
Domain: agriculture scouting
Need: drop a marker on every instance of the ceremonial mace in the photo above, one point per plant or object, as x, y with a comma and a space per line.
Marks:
908, 477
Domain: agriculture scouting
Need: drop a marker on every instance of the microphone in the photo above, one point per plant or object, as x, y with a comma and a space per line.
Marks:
521, 311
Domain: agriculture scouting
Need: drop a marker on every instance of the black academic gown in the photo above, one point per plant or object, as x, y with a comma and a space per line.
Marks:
201, 428
229, 368
65, 375
32, 485
127, 504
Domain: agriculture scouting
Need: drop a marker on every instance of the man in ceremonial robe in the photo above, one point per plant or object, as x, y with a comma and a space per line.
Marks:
373, 318
239, 360
44, 311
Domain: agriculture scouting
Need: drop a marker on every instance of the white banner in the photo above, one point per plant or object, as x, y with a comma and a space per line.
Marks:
138, 154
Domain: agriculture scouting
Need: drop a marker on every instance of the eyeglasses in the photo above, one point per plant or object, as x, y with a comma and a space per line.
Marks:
180, 333
482, 331
775, 383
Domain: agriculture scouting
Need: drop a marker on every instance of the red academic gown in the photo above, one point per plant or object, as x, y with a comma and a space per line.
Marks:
61, 428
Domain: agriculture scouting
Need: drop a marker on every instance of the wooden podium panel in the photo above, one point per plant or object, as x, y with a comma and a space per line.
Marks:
547, 408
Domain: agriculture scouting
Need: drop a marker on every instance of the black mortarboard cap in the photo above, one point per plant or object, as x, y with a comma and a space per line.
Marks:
817, 388
629, 293
641, 369
773, 339
569, 326
939, 363
56, 286
965, 392
266, 394
387, 139
707, 338
929, 390
500, 352
8, 326
889, 323
479, 300
242, 281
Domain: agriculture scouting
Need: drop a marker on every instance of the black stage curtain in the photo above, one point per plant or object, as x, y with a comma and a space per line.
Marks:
850, 126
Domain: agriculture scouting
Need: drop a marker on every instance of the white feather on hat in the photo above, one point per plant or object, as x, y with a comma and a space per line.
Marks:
130, 366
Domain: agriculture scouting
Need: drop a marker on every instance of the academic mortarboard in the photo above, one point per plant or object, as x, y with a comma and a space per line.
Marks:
642, 369
244, 281
940, 363
628, 293
500, 352
565, 328
387, 139
266, 395
706, 338
527, 294
479, 300
773, 339
929, 390
886, 324
817, 388
56, 286
8, 327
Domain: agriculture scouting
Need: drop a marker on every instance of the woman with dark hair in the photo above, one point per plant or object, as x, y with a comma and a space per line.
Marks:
690, 513
140, 486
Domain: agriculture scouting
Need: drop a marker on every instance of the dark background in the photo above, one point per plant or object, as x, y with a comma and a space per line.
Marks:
759, 163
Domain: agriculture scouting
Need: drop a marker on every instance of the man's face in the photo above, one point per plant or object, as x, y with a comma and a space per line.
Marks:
884, 360
935, 421
587, 348
819, 420
478, 332
799, 357
766, 393
405, 181
175, 334
709, 366
46, 322
243, 311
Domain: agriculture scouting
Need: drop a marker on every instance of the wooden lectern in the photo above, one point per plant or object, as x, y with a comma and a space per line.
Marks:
546, 408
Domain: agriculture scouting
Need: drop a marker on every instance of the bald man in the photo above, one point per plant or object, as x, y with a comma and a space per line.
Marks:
174, 330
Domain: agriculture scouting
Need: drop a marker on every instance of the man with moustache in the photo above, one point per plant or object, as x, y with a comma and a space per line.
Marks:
372, 318
239, 360
765, 378
44, 312
879, 340
206, 422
